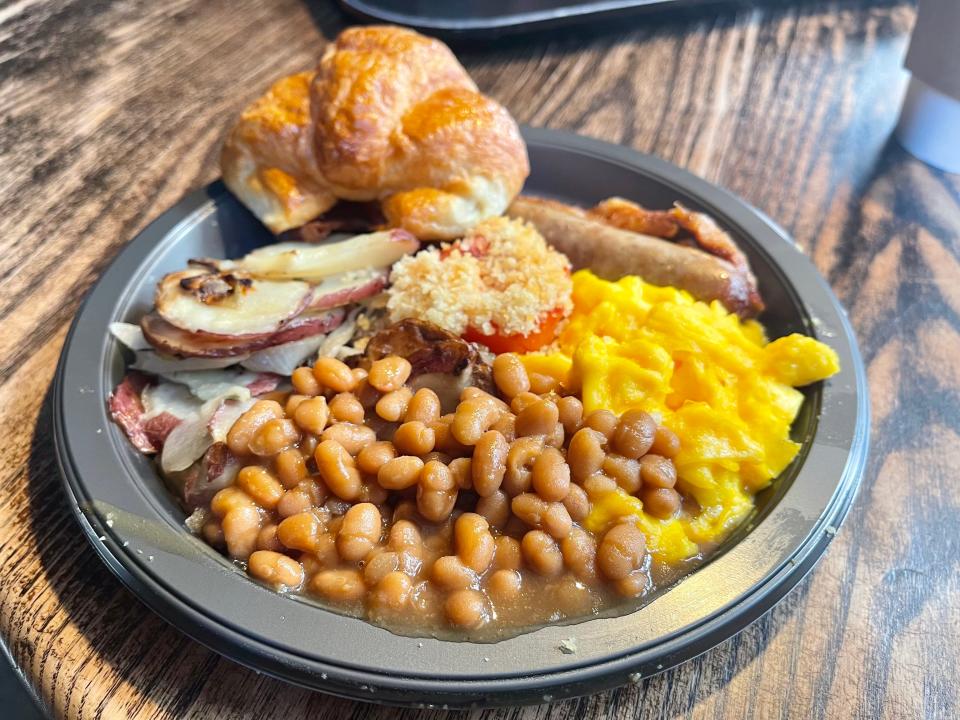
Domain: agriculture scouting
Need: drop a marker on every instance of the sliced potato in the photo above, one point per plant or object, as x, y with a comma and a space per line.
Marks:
314, 262
228, 304
347, 288
171, 340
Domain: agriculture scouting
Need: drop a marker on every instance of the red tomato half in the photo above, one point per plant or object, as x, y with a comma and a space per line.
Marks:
498, 343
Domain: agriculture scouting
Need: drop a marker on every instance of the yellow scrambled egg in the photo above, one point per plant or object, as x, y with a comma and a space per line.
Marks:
711, 378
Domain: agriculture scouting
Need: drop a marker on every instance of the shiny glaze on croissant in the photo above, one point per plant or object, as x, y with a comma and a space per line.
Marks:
388, 115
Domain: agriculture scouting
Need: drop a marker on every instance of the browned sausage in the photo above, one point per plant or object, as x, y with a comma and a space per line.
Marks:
612, 253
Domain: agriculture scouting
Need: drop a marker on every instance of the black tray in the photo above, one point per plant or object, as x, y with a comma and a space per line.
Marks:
493, 17
138, 530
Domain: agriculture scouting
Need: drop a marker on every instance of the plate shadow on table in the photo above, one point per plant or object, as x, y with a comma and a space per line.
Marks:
121, 632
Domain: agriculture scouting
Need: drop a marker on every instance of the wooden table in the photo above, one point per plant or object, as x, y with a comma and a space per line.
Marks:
110, 111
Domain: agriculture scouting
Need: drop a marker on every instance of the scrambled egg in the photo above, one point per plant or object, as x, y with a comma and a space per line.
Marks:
711, 378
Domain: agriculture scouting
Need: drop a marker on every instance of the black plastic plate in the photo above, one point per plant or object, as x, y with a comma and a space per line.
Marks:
138, 529
494, 17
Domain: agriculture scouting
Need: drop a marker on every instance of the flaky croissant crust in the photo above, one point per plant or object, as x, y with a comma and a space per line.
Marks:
388, 115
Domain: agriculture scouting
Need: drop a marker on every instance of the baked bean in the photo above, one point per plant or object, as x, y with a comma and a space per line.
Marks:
522, 401
520, 458
657, 471
506, 426
229, 498
462, 471
346, 408
665, 443
507, 555
414, 438
450, 573
473, 541
555, 439
634, 434
436, 455
267, 539
603, 421
539, 418
366, 394
325, 553
475, 393
212, 532
529, 508
337, 469
378, 565
294, 400
580, 554
400, 472
472, 419
556, 520
290, 467
389, 373
577, 503
353, 438
571, 414
371, 458
405, 537
338, 585
632, 585
510, 375
240, 529
305, 382
541, 553
596, 486
424, 406
660, 502
495, 508
275, 569
359, 373
308, 444
621, 551
542, 384
585, 453
243, 430
373, 492
551, 475
309, 493
445, 441
393, 406
504, 585
393, 591
312, 415
489, 463
466, 609
273, 436
334, 374
359, 532
300, 531
260, 485
436, 492
625, 471
406, 510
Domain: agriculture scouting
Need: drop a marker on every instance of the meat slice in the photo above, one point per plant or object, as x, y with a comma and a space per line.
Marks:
442, 361
126, 409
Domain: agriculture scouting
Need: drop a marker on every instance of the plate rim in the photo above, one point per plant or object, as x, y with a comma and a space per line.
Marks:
462, 690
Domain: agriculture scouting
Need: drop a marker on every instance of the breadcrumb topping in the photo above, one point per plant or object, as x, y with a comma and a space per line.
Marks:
501, 278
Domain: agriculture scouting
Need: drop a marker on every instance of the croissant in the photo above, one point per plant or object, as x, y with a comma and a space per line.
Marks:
389, 115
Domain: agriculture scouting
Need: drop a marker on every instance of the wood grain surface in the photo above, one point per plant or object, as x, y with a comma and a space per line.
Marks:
110, 110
